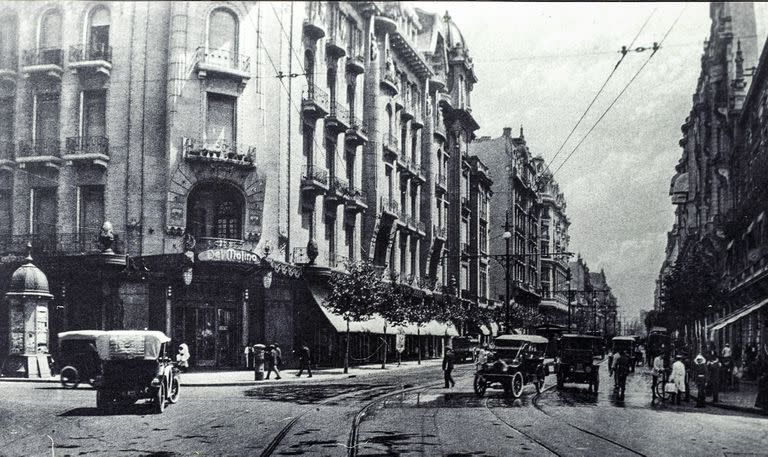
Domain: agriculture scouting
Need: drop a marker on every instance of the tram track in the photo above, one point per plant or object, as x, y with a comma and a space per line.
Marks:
535, 402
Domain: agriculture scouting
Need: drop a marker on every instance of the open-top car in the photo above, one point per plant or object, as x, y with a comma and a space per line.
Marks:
628, 345
514, 360
78, 358
135, 366
578, 360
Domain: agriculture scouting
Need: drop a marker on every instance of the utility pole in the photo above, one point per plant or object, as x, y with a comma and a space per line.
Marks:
570, 297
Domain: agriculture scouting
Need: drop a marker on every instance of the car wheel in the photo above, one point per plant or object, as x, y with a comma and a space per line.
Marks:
480, 385
69, 376
159, 401
173, 394
517, 384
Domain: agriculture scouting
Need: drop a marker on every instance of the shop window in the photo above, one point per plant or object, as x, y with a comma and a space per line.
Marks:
221, 119
223, 32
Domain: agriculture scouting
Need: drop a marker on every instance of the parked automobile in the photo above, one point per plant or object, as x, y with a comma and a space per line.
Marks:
464, 347
626, 344
78, 358
513, 361
135, 365
578, 360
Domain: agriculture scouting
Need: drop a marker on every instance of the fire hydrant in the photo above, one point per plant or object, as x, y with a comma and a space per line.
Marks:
258, 362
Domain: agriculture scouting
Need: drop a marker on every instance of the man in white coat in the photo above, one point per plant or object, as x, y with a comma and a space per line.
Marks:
678, 377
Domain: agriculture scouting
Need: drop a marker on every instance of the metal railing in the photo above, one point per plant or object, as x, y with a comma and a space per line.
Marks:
340, 113
390, 205
205, 243
315, 173
48, 244
87, 145
39, 148
442, 180
223, 58
94, 51
340, 185
391, 143
43, 56
314, 94
218, 150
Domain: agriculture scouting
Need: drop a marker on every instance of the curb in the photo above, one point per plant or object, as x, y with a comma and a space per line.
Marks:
744, 409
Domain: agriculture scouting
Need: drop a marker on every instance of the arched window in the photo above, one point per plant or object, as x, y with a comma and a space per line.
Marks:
215, 209
97, 32
223, 31
49, 35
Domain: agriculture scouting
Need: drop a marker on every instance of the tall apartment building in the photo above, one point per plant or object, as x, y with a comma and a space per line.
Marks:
241, 152
719, 188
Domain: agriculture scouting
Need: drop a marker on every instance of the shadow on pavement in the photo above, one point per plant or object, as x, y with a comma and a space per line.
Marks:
141, 409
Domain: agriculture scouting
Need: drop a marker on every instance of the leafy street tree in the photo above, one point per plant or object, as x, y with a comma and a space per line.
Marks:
356, 296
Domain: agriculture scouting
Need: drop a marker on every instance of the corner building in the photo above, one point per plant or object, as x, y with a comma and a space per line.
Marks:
242, 152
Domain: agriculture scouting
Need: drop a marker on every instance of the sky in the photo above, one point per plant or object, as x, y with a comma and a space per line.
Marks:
540, 64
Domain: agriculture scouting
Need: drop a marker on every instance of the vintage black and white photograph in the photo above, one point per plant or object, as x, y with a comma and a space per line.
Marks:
395, 228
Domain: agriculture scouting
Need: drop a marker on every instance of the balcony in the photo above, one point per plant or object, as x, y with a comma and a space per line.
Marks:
335, 48
9, 65
440, 233
421, 228
95, 58
44, 152
356, 200
390, 207
406, 114
93, 149
45, 62
209, 243
391, 146
441, 182
223, 63
53, 244
357, 133
338, 189
7, 155
314, 24
338, 119
404, 164
417, 121
356, 63
422, 173
388, 81
314, 179
465, 204
218, 151
315, 103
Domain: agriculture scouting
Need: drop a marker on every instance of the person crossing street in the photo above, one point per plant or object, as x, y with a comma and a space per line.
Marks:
621, 367
448, 361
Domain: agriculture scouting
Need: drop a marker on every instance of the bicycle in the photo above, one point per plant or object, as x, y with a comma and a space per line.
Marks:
661, 388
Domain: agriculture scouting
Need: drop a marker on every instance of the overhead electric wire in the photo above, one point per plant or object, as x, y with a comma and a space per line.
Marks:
655, 50
600, 91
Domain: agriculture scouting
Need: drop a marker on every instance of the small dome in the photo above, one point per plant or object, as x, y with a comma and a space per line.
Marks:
28, 280
453, 36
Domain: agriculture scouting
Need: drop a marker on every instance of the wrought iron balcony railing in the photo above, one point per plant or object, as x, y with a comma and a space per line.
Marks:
43, 56
315, 173
218, 151
41, 147
90, 52
390, 206
223, 59
49, 244
87, 145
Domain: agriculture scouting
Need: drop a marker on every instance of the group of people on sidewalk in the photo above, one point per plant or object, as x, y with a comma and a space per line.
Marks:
270, 359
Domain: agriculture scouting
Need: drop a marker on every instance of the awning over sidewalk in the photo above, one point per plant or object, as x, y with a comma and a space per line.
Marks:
738, 314
554, 305
377, 324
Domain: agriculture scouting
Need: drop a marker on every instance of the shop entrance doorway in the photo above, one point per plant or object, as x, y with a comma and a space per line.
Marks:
211, 332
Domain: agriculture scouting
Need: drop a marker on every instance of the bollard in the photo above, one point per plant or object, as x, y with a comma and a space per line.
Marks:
258, 362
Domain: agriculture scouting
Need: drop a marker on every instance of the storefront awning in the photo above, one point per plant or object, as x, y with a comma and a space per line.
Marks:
736, 315
377, 324
554, 305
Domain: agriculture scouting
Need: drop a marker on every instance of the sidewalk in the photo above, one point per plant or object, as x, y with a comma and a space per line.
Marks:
741, 400
246, 377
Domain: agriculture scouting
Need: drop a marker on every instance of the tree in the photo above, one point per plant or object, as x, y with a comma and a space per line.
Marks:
356, 296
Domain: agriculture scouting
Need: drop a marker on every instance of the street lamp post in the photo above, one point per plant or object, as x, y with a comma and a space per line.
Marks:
507, 235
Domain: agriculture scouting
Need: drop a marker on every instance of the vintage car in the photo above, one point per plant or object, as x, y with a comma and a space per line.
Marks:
135, 366
464, 347
514, 360
578, 360
626, 344
78, 358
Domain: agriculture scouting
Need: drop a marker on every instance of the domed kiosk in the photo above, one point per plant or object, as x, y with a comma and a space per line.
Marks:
24, 323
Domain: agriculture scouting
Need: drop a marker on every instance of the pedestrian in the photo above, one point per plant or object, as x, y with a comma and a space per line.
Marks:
714, 368
727, 366
270, 360
448, 361
182, 357
678, 377
621, 367
611, 357
248, 353
761, 372
482, 357
700, 378
304, 361
657, 373
278, 356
